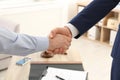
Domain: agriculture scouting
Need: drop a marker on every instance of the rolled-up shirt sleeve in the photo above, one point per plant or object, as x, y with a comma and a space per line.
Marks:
21, 44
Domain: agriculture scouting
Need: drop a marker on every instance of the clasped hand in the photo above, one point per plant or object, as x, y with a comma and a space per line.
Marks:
59, 40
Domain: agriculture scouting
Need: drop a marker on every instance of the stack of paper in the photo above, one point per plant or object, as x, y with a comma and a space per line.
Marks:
64, 74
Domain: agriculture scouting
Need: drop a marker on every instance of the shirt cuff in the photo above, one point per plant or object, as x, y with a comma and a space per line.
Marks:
73, 29
42, 43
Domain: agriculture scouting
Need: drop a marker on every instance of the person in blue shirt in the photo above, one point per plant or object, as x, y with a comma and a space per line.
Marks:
22, 44
87, 18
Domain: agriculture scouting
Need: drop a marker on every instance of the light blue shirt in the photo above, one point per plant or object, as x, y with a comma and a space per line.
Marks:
21, 44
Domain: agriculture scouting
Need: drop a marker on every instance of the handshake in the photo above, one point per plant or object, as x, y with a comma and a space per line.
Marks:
59, 40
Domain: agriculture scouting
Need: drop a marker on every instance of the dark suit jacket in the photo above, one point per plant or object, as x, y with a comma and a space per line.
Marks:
95, 11
92, 13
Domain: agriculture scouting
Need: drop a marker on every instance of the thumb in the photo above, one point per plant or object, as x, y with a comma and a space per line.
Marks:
52, 34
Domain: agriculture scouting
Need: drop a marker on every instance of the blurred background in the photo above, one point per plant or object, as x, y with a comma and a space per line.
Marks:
39, 17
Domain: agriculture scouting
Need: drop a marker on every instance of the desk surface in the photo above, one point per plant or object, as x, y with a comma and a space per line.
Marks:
72, 57
22, 72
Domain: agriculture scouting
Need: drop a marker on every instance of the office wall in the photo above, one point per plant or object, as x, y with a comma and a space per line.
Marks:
37, 22
40, 19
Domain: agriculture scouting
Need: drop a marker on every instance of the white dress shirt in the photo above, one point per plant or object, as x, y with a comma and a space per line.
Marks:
21, 44
73, 29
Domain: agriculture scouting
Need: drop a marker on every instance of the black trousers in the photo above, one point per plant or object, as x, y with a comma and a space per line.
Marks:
115, 70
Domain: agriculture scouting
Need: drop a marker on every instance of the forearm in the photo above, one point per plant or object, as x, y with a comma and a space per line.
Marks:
21, 44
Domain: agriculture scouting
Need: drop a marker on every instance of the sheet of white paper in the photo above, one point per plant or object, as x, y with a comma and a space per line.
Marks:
65, 74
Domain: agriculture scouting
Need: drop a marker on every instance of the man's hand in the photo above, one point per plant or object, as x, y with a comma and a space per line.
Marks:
61, 42
63, 31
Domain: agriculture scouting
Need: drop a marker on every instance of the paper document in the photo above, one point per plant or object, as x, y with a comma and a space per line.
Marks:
64, 74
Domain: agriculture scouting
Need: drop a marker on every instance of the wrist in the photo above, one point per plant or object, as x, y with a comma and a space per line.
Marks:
68, 30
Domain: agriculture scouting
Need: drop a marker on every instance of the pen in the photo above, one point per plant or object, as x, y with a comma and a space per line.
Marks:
59, 78
43, 73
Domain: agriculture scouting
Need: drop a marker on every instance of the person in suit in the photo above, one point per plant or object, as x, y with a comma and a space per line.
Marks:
84, 20
22, 44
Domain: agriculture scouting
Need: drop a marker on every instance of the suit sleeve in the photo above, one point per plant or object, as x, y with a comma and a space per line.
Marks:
91, 14
21, 44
